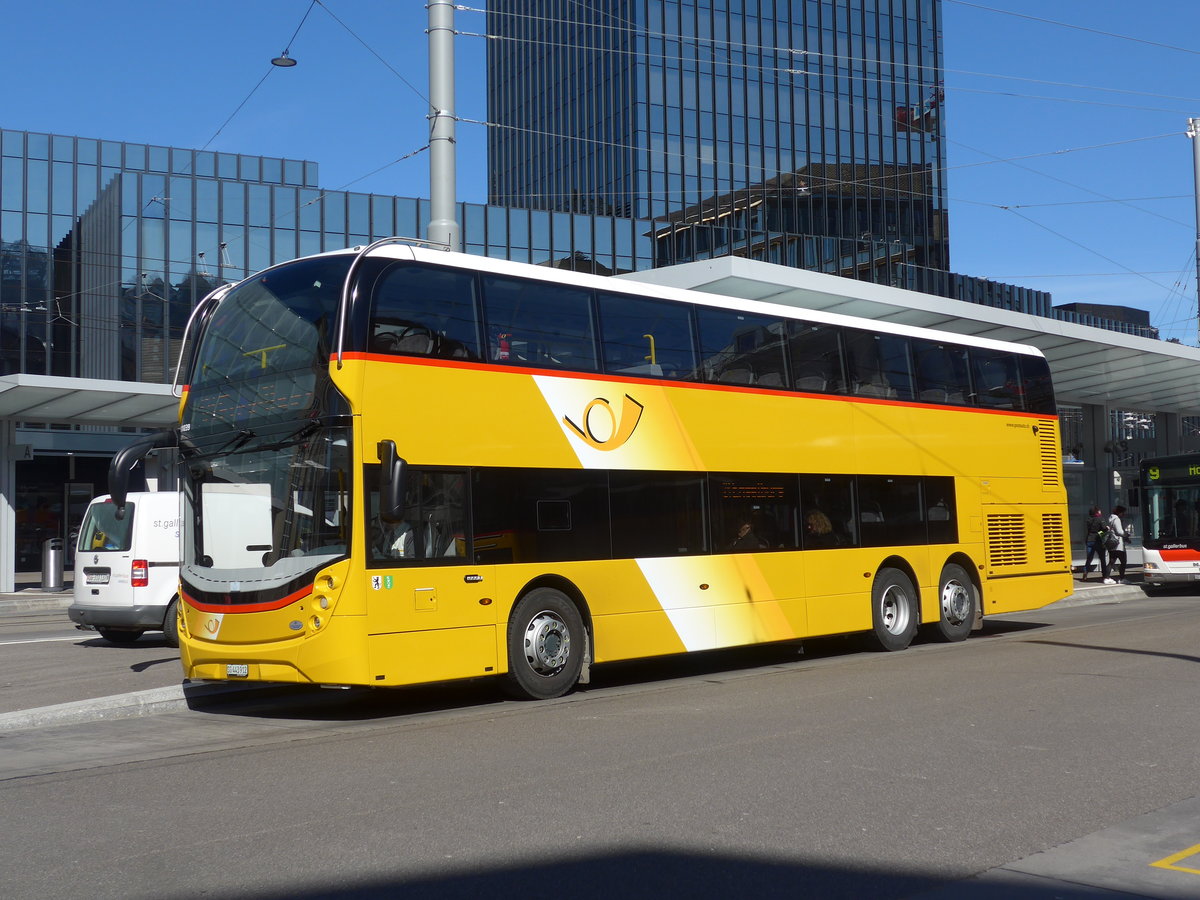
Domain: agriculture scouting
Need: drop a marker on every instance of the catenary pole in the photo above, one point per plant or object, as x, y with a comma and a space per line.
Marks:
443, 221
1194, 133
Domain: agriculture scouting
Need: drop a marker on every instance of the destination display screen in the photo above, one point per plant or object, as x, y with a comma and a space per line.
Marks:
1174, 471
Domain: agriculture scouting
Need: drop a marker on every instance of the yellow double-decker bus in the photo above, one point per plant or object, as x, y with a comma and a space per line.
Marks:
401, 465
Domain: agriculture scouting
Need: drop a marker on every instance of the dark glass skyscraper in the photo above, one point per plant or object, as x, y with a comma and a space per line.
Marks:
792, 117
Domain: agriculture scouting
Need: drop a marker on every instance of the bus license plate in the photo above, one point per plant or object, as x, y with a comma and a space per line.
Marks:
237, 670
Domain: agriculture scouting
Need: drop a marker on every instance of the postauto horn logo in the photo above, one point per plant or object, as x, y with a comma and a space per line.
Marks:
619, 428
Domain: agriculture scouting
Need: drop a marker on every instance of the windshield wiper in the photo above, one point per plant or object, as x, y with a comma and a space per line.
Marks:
235, 443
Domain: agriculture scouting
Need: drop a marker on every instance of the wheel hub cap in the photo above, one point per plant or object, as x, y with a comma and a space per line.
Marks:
547, 643
895, 610
955, 603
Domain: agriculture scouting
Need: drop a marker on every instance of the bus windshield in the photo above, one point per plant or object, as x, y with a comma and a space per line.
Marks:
262, 510
264, 351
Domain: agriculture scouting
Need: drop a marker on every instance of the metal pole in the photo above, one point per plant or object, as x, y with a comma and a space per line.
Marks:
1194, 133
443, 222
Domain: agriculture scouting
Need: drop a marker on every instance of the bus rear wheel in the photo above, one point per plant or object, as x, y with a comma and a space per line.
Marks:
894, 610
545, 646
958, 604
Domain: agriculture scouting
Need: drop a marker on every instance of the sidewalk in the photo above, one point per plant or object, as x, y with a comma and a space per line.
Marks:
29, 596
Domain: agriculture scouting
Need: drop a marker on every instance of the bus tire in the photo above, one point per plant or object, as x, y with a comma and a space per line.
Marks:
894, 610
171, 623
119, 635
545, 646
958, 604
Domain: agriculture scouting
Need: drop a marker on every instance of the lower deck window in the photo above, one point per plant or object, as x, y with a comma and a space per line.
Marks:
493, 515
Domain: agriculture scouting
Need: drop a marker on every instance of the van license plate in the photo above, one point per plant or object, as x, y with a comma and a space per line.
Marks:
96, 577
237, 670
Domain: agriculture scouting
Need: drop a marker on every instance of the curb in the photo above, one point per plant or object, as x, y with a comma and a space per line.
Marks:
1108, 593
33, 601
129, 706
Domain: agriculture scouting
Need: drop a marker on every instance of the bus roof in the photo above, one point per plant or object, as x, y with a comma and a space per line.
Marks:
403, 251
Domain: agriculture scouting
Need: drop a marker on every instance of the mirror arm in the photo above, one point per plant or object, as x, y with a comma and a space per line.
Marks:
129, 456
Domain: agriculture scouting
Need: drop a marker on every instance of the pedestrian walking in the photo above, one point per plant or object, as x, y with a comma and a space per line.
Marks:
1094, 541
1115, 545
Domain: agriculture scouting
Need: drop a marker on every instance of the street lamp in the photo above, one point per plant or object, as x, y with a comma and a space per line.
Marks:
283, 61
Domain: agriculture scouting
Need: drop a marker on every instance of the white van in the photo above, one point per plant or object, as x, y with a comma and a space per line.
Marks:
127, 569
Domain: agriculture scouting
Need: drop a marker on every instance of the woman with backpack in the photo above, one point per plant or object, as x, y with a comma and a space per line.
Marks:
1114, 543
1094, 533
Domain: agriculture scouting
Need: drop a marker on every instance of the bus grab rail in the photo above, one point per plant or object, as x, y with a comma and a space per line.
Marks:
214, 295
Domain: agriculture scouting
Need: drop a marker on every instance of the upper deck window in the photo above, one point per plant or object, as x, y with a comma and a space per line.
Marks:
531, 323
424, 311
647, 337
742, 348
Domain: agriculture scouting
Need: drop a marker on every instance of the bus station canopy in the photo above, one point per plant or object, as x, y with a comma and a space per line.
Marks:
86, 401
1089, 365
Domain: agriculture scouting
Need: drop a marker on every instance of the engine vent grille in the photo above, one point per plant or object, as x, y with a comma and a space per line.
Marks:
1006, 540
1051, 454
1054, 534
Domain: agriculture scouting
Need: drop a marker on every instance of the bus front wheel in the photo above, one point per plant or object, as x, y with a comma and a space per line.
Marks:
958, 604
171, 623
894, 616
545, 646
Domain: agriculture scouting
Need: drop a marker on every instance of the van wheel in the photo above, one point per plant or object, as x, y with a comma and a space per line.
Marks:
958, 602
171, 624
545, 646
118, 635
894, 610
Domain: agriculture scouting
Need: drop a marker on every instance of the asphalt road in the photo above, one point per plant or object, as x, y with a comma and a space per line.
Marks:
1055, 755
45, 660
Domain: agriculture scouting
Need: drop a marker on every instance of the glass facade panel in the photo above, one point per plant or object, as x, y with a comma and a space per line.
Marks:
685, 112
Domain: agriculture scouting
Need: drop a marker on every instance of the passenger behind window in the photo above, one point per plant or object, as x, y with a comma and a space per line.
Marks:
818, 531
745, 538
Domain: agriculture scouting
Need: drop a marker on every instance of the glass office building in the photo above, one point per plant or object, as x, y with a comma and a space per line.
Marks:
803, 117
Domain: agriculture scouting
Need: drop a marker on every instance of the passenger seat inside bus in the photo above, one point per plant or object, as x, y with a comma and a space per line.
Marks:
811, 383
874, 389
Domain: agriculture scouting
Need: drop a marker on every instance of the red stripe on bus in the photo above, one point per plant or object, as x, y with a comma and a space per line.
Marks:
661, 382
1179, 555
246, 607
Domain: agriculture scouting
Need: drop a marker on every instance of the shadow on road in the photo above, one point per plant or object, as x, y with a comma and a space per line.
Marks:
349, 704
636, 874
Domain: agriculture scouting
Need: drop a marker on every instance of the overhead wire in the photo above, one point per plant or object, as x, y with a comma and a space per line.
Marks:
1111, 34
266, 75
1011, 207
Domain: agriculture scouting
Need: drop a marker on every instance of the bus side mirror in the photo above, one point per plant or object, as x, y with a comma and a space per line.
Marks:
391, 482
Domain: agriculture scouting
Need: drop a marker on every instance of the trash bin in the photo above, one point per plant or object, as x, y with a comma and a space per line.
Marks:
52, 564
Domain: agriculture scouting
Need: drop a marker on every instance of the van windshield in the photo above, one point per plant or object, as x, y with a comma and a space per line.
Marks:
102, 530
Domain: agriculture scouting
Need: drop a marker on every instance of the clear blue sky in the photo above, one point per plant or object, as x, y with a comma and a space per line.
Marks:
1112, 224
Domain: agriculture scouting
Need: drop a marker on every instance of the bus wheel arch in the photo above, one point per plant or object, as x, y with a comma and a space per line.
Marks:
895, 605
548, 640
